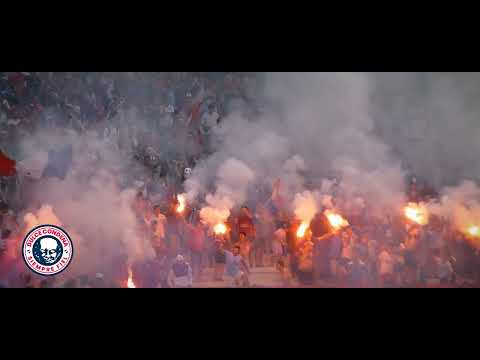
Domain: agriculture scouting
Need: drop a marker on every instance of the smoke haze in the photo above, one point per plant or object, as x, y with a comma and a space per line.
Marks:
366, 130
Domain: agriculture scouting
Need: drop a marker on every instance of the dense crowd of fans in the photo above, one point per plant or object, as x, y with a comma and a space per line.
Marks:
159, 121
394, 252
179, 110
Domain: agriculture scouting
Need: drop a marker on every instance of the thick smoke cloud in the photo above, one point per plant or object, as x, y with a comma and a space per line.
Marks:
368, 130
321, 127
305, 205
363, 129
90, 203
233, 179
431, 120
460, 205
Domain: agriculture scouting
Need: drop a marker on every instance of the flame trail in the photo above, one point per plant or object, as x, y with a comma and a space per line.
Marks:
302, 229
305, 205
130, 283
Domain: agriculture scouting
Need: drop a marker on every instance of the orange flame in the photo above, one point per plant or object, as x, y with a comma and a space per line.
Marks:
130, 283
416, 213
474, 230
302, 229
336, 220
181, 203
220, 229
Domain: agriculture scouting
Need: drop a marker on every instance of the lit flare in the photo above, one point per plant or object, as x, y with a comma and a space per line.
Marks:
220, 229
130, 283
336, 220
302, 229
181, 203
416, 213
474, 230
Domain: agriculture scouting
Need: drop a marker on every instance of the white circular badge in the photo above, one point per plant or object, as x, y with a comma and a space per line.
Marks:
47, 250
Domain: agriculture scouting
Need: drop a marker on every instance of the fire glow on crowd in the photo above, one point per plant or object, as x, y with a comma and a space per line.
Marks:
160, 179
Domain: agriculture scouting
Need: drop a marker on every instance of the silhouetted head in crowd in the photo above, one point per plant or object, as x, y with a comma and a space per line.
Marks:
242, 236
5, 234
157, 210
236, 250
3, 208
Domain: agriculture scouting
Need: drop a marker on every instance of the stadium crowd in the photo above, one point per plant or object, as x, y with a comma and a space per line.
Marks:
179, 111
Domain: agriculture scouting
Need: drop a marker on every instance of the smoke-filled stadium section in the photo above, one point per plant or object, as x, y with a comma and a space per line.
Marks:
231, 179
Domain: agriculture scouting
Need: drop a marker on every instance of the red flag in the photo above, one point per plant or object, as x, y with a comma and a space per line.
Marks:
7, 165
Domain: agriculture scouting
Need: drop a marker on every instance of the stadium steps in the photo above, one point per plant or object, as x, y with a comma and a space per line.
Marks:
261, 277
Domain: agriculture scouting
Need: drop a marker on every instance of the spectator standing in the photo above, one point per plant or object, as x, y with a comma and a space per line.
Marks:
236, 268
219, 256
386, 264
196, 245
180, 275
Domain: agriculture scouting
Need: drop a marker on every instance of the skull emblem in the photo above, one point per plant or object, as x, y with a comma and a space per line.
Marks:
48, 250
187, 172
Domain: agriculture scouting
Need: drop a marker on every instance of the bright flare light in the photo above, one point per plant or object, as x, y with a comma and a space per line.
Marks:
336, 220
181, 203
302, 229
220, 229
416, 213
130, 283
474, 230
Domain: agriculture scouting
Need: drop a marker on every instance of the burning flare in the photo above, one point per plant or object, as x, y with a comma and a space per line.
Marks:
181, 203
220, 229
417, 213
305, 205
302, 229
130, 283
474, 230
336, 220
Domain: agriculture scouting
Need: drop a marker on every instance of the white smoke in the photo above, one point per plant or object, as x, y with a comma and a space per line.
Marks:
89, 203
431, 119
44, 215
232, 182
460, 205
321, 125
329, 122
354, 126
306, 206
